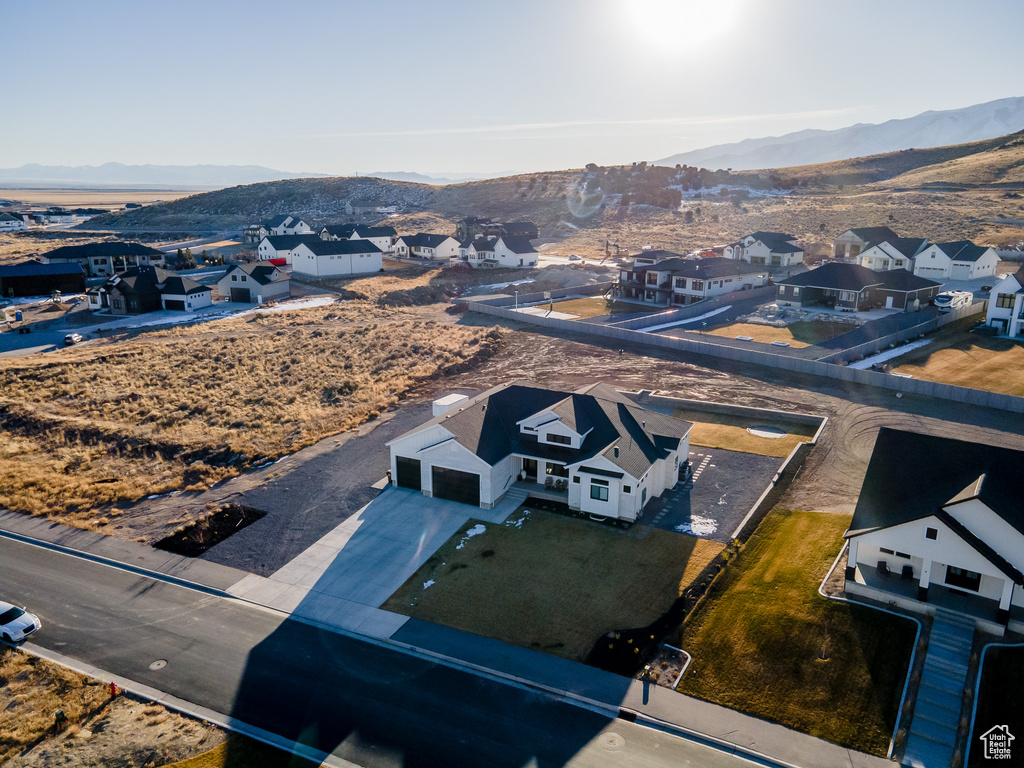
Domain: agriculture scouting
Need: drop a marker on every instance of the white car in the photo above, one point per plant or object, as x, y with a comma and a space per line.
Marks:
574, 257
16, 623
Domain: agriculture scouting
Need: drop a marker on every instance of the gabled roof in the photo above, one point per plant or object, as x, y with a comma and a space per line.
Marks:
912, 476
181, 285
484, 243
518, 244
153, 280
777, 242
90, 250
630, 437
367, 232
261, 273
873, 235
836, 276
904, 280
32, 268
9, 217
334, 247
277, 221
339, 230
424, 240
703, 269
962, 250
908, 247
288, 242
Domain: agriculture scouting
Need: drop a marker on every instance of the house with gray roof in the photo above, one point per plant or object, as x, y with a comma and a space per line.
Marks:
148, 289
107, 258
287, 225
851, 287
678, 281
776, 249
278, 248
593, 449
853, 242
424, 245
254, 283
939, 522
959, 260
893, 253
336, 258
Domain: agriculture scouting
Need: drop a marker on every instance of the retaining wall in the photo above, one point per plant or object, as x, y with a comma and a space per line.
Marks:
757, 357
509, 300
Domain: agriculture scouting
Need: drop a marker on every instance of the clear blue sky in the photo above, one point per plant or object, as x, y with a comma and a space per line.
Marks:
453, 86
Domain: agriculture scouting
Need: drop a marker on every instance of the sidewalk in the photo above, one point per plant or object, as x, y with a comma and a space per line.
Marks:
593, 688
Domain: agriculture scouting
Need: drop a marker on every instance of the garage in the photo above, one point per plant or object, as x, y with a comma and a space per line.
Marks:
241, 295
408, 473
960, 272
178, 304
453, 485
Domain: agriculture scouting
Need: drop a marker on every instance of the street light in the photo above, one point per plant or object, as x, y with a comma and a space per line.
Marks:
516, 292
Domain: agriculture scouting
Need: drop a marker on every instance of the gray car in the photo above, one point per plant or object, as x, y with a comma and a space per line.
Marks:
16, 623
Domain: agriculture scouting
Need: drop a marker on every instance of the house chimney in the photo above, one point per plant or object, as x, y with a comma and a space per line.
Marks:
616, 451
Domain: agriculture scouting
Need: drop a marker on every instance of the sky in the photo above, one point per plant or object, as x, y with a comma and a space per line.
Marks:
451, 86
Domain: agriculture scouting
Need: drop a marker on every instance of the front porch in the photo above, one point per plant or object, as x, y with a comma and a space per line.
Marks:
907, 593
539, 491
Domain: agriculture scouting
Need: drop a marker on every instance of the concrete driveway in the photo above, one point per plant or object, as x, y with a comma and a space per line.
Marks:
343, 578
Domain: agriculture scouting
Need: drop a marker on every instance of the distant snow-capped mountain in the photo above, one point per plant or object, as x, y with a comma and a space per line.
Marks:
929, 129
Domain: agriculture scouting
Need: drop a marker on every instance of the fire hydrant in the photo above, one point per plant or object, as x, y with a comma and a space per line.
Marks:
113, 689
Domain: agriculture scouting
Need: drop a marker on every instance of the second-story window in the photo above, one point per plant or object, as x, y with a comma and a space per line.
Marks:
560, 439
652, 278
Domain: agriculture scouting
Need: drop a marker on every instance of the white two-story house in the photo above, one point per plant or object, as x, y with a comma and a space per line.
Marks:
678, 281
427, 246
593, 449
939, 522
894, 253
1006, 305
775, 249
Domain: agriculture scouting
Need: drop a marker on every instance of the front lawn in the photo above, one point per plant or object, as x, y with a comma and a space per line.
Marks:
768, 644
719, 430
801, 334
592, 307
552, 583
968, 360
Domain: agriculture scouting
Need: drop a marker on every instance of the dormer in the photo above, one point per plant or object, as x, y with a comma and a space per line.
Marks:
549, 429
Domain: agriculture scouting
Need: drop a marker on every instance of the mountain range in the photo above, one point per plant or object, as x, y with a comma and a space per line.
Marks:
928, 129
191, 176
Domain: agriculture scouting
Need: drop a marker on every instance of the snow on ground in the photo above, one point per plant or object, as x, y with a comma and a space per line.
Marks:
688, 320
545, 312
889, 354
23, 300
496, 286
428, 583
476, 530
309, 303
698, 526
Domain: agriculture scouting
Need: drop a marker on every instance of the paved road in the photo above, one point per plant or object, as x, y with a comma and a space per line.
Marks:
367, 704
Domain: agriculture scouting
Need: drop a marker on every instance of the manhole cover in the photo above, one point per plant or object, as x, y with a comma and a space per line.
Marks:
765, 431
158, 664
611, 741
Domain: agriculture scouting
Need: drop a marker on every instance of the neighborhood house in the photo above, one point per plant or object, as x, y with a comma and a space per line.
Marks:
105, 259
336, 258
775, 249
504, 251
31, 278
254, 284
939, 522
679, 281
593, 449
853, 288
428, 246
1006, 305
148, 289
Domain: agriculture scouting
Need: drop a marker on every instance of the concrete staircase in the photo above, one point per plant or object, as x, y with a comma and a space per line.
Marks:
516, 495
932, 738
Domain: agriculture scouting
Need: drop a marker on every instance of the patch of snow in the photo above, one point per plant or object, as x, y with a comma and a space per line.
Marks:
496, 286
428, 583
282, 459
698, 526
706, 315
889, 354
476, 530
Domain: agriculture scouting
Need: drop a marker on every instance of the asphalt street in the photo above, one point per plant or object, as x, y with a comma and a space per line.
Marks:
368, 704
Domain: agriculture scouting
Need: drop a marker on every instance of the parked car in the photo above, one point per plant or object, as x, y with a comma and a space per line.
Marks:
72, 338
574, 257
16, 623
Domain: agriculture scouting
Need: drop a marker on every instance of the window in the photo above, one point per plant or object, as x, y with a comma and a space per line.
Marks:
680, 282
1005, 300
904, 555
887, 551
931, 533
599, 490
234, 278
530, 429
560, 439
961, 577
697, 285
652, 278
556, 470
576, 479
796, 290
643, 496
847, 295
627, 489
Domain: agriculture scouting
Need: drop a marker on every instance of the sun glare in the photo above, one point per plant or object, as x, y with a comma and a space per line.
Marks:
680, 24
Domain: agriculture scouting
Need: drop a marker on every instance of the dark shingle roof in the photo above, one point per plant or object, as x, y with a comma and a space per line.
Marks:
627, 435
874, 235
334, 247
706, 269
777, 242
181, 285
906, 246
32, 268
288, 242
835, 276
277, 221
484, 243
424, 240
367, 232
911, 476
90, 250
518, 244
339, 230
962, 250
261, 273
659, 255
146, 279
904, 280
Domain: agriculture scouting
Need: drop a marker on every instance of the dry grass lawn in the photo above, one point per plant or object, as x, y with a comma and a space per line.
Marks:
713, 430
553, 583
968, 360
31, 691
592, 307
801, 334
183, 408
242, 752
766, 643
